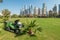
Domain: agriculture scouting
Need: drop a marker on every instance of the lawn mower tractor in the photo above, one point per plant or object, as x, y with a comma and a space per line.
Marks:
12, 27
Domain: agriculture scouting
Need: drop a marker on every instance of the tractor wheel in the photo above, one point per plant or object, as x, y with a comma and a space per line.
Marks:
17, 31
7, 28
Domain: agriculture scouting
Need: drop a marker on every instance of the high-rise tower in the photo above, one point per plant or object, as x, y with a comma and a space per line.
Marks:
44, 10
30, 10
55, 11
39, 12
59, 9
35, 12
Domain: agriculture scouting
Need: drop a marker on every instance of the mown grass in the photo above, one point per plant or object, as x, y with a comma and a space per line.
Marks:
50, 30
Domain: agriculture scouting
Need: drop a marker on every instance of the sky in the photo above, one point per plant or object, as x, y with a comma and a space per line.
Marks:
15, 5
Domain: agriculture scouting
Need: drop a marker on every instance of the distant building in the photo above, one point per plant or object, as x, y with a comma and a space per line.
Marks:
50, 13
1, 14
30, 10
44, 10
55, 11
20, 12
59, 9
35, 12
39, 12
24, 10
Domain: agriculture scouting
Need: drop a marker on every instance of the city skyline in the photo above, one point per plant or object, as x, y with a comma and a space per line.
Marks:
15, 5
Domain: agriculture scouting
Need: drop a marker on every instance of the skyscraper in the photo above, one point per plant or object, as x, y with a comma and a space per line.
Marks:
35, 12
50, 13
30, 10
55, 10
59, 9
24, 11
21, 12
39, 12
44, 10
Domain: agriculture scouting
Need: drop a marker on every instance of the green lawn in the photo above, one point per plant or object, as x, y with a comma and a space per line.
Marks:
50, 30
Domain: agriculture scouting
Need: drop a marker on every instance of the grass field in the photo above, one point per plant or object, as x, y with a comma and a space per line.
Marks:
50, 30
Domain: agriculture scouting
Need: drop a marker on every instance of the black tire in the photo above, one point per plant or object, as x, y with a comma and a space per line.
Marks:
17, 31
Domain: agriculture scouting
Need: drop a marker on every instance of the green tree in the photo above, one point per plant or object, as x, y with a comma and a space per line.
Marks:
54, 14
14, 16
30, 26
6, 14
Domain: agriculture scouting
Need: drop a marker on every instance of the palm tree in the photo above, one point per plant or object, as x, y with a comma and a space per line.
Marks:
32, 27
